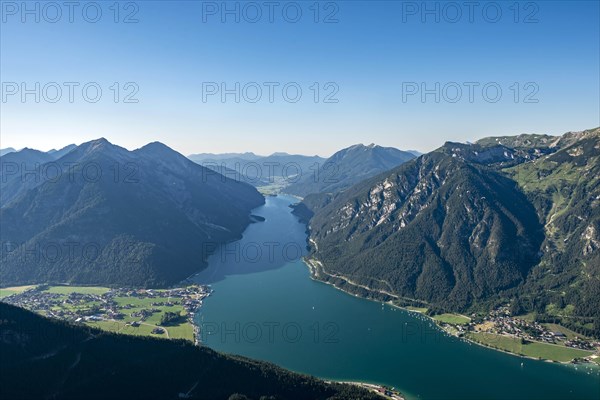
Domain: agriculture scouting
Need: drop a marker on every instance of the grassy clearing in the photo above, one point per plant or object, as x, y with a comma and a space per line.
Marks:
554, 352
96, 290
123, 328
110, 326
143, 302
545, 351
270, 190
273, 188
181, 331
544, 174
4, 292
453, 319
528, 317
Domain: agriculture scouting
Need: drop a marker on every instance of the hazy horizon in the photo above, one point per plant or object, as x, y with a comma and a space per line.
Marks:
258, 153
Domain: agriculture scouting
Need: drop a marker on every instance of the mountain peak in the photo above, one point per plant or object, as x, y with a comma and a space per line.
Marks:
98, 146
362, 147
357, 162
158, 149
29, 150
96, 143
354, 147
157, 146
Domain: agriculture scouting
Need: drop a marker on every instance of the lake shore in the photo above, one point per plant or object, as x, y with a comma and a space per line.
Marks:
317, 271
383, 391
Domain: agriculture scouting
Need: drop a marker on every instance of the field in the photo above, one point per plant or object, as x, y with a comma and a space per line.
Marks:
123, 328
274, 187
77, 289
182, 331
453, 319
531, 349
13, 290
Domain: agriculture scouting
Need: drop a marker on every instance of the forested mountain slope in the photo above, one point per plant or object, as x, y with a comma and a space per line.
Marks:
147, 217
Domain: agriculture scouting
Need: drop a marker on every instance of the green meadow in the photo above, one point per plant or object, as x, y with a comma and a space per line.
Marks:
546, 351
4, 292
453, 319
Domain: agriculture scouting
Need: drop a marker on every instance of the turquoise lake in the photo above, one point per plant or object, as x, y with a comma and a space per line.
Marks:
265, 306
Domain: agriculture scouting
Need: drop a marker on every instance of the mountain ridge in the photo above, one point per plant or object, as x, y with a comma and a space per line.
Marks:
261, 170
470, 225
347, 167
154, 212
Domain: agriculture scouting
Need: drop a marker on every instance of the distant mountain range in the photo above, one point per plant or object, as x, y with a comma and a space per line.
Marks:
470, 225
61, 152
347, 167
201, 157
63, 361
23, 169
259, 170
55, 154
101, 214
6, 151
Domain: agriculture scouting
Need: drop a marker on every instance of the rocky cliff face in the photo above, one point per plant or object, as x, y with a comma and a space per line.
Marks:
438, 229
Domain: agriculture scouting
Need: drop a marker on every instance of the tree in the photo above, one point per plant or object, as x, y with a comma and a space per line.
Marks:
169, 318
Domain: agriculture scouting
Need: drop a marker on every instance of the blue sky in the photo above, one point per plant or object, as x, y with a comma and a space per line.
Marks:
371, 57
